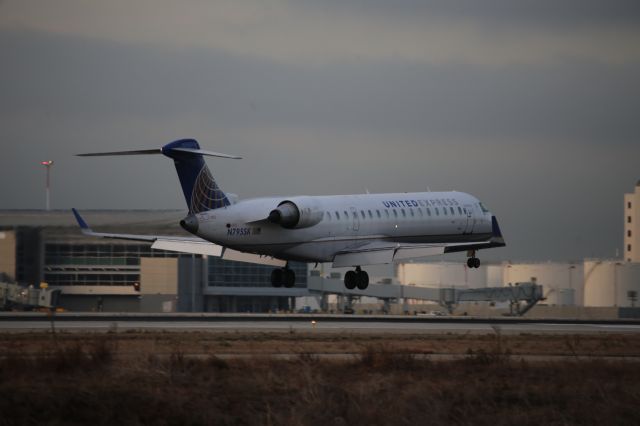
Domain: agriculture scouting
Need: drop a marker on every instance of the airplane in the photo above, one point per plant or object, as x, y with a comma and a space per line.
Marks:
347, 230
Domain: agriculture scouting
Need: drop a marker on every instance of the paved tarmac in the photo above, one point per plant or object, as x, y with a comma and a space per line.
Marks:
319, 326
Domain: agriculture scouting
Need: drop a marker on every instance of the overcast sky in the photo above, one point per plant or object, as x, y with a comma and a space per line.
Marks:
532, 106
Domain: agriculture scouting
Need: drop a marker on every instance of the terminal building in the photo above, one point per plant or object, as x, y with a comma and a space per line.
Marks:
96, 274
114, 275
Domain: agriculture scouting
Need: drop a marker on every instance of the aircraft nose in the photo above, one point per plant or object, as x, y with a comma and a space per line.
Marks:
190, 224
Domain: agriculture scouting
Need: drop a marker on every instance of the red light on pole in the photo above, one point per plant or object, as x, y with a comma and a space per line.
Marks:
48, 165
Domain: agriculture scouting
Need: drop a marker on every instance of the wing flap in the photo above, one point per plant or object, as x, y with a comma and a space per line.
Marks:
239, 256
194, 247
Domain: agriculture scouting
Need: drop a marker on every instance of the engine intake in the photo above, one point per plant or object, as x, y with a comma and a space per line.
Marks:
292, 215
286, 215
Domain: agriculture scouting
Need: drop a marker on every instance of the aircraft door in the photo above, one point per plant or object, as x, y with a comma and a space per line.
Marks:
355, 224
471, 221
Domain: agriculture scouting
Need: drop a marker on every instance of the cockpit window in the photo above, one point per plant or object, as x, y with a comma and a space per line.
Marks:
484, 209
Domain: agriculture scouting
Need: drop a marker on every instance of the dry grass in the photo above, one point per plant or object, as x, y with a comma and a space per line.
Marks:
97, 379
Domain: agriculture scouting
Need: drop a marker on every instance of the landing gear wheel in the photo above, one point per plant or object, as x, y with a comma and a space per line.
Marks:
289, 278
350, 280
277, 277
362, 280
473, 262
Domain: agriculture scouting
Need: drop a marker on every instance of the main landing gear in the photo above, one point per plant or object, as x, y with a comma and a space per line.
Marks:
283, 277
473, 261
357, 278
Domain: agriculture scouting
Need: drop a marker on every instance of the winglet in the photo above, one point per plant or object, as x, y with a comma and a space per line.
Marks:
81, 222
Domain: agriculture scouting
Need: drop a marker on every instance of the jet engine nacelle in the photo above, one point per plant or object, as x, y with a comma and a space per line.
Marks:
299, 213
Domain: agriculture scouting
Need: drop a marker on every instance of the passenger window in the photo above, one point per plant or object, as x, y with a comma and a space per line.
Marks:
420, 211
362, 213
387, 212
404, 214
328, 216
355, 215
460, 211
437, 211
378, 213
370, 214
428, 211
346, 215
452, 211
395, 213
444, 211
411, 211
337, 215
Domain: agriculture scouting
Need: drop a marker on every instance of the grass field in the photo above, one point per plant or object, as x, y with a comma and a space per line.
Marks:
238, 378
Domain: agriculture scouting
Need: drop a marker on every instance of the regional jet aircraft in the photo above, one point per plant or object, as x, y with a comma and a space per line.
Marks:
348, 230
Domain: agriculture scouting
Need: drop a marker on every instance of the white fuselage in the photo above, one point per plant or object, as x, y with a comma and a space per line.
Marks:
343, 222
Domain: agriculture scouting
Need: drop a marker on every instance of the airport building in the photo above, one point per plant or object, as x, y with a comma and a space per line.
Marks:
631, 248
115, 275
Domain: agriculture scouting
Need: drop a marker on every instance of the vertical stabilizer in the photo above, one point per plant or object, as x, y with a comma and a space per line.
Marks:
201, 191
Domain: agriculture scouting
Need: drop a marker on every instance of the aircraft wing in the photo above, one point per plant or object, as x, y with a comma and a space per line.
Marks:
191, 245
380, 252
384, 252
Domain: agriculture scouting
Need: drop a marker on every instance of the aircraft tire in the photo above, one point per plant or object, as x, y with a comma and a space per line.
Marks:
470, 262
350, 280
277, 277
362, 280
476, 262
289, 278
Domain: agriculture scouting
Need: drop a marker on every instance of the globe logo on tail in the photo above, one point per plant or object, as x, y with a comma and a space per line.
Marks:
206, 194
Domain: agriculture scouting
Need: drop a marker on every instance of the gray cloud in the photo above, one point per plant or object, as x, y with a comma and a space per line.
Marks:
549, 145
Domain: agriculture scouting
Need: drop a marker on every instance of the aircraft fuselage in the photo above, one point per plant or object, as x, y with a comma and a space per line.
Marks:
327, 225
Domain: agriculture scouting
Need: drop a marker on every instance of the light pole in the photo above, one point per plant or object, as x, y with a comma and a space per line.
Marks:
48, 165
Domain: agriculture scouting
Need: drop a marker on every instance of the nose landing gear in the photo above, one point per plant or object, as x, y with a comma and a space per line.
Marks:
357, 278
283, 277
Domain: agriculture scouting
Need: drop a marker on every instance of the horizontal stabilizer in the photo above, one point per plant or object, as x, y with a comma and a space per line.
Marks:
204, 152
165, 150
136, 152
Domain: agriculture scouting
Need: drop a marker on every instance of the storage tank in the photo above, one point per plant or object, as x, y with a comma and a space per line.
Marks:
611, 283
562, 282
442, 275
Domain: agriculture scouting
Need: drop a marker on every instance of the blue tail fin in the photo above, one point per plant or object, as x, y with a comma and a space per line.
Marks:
200, 189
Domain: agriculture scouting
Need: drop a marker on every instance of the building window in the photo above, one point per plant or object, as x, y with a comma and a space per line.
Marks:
629, 205
628, 219
629, 233
628, 247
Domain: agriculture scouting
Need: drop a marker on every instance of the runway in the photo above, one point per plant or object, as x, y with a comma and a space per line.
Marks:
320, 326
